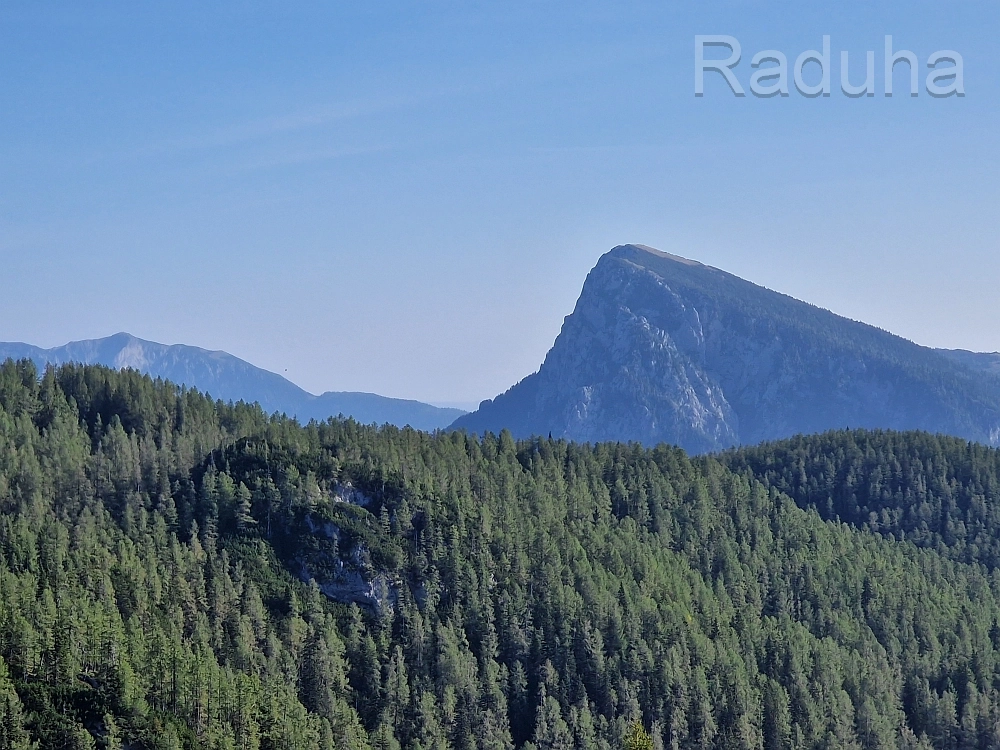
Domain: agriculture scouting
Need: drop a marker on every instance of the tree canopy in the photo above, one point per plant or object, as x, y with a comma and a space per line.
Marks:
177, 572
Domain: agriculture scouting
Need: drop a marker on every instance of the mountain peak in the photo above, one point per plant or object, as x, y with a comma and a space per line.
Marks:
122, 337
638, 252
661, 348
229, 378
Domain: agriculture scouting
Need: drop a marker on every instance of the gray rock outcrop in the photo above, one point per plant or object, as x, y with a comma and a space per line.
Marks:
665, 349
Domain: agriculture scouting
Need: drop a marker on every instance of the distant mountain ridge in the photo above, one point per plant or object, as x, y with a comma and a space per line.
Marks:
988, 362
664, 349
230, 378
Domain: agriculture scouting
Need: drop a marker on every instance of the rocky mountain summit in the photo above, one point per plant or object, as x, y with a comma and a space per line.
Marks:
665, 349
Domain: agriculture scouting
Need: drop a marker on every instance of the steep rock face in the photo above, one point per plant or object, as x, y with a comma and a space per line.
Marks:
346, 575
664, 349
629, 365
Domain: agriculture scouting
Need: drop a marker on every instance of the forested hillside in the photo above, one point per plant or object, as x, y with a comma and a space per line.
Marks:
164, 558
935, 491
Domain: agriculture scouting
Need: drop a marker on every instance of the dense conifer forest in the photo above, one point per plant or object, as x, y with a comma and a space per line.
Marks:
164, 558
935, 491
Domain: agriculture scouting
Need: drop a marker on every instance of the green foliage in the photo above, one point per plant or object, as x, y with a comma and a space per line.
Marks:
156, 546
637, 738
938, 492
13, 735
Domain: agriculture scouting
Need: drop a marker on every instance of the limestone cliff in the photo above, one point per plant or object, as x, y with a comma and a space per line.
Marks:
665, 349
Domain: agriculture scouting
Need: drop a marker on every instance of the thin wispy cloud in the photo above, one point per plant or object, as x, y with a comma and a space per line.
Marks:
298, 158
268, 127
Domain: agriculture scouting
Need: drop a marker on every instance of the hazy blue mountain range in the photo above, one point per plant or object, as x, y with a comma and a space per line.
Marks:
661, 348
232, 379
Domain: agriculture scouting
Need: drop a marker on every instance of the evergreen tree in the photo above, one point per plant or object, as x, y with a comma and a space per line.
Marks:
13, 735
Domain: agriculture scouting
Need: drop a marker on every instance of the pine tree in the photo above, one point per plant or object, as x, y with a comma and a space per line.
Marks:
13, 735
551, 730
637, 738
112, 738
245, 522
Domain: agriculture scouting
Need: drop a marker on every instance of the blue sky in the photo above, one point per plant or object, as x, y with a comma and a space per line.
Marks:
405, 198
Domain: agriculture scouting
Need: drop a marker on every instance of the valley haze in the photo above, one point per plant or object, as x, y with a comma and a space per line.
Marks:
659, 348
232, 379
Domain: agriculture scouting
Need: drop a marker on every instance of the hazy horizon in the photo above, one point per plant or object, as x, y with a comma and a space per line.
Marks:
405, 200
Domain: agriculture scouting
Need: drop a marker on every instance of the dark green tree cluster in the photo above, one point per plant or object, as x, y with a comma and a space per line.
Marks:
932, 490
163, 559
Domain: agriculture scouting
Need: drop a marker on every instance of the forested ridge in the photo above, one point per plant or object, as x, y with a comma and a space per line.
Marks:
163, 559
933, 490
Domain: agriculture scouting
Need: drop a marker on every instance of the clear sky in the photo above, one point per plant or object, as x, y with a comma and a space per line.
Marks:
405, 198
